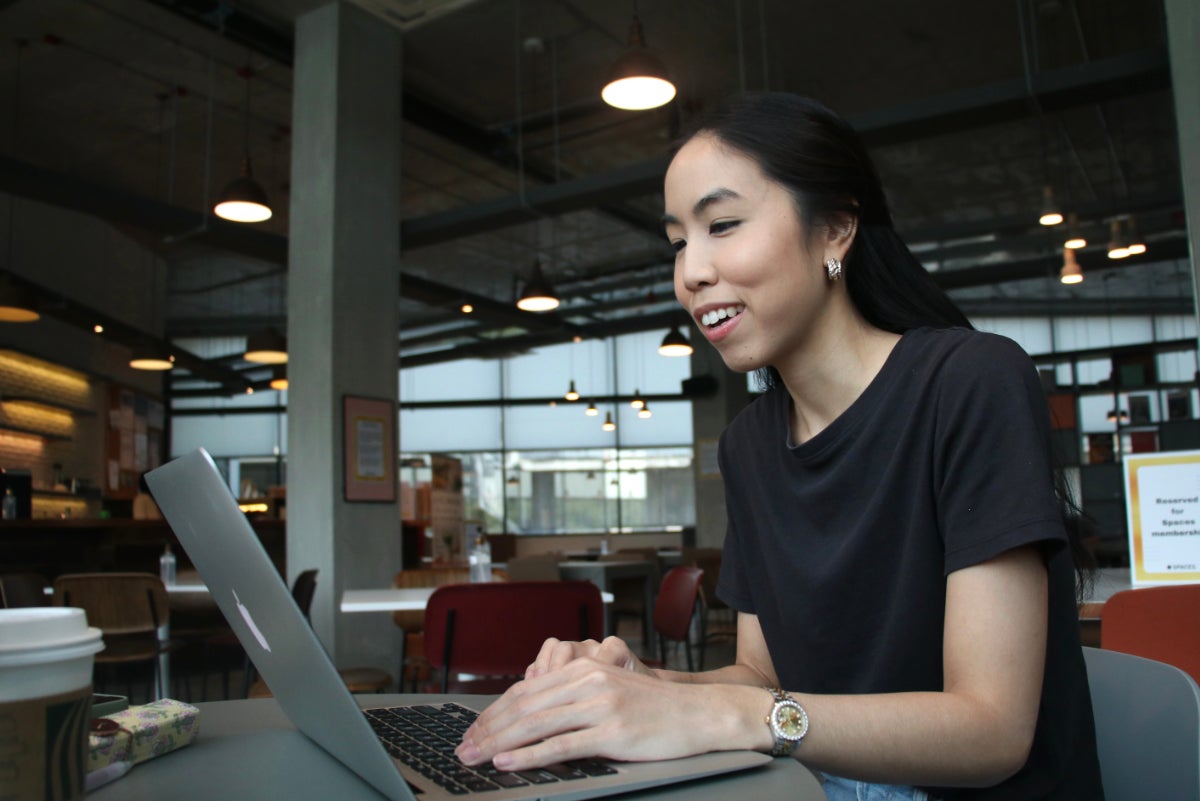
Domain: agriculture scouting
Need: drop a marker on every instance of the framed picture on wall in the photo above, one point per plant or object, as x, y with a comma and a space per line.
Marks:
369, 444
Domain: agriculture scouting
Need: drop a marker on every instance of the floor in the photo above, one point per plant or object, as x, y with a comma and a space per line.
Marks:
197, 676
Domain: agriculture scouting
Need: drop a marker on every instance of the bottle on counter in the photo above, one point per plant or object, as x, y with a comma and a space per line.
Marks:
166, 566
480, 559
9, 509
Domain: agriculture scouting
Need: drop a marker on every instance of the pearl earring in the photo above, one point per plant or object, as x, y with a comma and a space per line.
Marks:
833, 268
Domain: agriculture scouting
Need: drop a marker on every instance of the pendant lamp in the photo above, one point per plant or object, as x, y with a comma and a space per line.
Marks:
591, 410
637, 402
267, 346
1050, 213
675, 344
538, 295
1117, 246
1075, 239
638, 80
644, 412
16, 303
1133, 241
609, 425
151, 357
572, 393
243, 199
1071, 272
279, 378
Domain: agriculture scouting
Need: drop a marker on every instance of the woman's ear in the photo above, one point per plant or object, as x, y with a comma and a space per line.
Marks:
840, 231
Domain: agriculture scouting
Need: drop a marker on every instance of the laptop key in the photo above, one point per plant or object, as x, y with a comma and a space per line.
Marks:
537, 776
565, 772
593, 767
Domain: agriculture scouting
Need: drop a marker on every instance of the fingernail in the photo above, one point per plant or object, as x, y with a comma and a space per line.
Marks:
468, 752
503, 761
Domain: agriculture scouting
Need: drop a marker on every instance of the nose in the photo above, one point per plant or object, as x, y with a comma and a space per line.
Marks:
694, 270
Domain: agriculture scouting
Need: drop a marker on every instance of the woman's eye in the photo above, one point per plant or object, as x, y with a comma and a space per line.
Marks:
678, 244
722, 226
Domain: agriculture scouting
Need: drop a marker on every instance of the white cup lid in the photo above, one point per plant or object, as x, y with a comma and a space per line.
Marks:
44, 628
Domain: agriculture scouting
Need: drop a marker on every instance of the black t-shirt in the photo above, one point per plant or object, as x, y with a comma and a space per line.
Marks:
841, 545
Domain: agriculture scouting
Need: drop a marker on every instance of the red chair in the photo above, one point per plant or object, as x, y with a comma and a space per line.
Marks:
673, 610
495, 630
1159, 623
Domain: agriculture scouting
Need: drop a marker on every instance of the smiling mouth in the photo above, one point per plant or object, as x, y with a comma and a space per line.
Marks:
711, 319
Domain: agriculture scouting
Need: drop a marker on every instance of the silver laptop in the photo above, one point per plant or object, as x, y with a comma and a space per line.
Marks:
254, 599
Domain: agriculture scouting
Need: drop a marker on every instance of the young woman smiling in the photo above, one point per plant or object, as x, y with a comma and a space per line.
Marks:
895, 547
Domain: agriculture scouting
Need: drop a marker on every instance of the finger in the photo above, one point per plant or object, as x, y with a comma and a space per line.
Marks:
530, 719
541, 662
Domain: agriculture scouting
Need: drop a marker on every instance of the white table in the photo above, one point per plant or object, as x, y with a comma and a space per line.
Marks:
409, 599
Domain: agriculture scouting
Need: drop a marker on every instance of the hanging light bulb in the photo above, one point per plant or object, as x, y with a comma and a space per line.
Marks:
1071, 272
591, 410
1050, 213
538, 295
267, 346
1075, 239
637, 402
466, 308
644, 412
638, 80
1135, 244
152, 357
243, 199
1117, 248
675, 344
572, 394
609, 425
16, 303
279, 379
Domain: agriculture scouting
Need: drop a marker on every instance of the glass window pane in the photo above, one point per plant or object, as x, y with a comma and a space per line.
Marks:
440, 430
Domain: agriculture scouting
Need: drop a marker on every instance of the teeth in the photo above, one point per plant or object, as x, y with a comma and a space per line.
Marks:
717, 315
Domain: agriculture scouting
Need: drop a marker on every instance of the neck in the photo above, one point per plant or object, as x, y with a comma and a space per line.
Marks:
830, 374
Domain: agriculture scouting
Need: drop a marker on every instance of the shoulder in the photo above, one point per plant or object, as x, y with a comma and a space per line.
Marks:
963, 357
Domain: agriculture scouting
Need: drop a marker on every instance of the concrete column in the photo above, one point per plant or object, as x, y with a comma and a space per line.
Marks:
710, 415
343, 291
1183, 32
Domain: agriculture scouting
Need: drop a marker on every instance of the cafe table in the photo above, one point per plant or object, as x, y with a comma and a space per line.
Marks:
249, 749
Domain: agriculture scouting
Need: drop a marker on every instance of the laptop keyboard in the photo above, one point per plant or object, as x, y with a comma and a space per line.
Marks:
424, 738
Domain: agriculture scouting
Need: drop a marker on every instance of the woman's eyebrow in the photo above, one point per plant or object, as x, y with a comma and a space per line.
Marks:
718, 194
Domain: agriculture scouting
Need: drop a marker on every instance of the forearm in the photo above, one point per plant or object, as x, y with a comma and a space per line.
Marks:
928, 738
730, 674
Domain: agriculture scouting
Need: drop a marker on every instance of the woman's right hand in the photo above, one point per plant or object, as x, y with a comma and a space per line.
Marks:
612, 651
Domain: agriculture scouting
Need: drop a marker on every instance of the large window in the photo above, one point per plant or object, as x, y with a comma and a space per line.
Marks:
583, 491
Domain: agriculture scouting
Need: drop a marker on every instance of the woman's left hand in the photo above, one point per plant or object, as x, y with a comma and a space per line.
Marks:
590, 708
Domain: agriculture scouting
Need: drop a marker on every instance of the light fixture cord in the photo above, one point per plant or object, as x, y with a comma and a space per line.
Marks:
16, 142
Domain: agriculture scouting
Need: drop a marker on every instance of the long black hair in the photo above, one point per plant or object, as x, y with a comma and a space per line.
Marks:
822, 162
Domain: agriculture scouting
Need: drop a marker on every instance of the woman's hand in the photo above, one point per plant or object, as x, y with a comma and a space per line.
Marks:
587, 706
557, 653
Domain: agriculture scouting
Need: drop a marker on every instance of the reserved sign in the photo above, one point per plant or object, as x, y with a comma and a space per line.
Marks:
1162, 504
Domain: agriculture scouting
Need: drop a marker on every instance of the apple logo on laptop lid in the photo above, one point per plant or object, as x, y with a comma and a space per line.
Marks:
245, 613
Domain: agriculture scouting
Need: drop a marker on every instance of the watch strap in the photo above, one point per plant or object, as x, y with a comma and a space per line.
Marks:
785, 744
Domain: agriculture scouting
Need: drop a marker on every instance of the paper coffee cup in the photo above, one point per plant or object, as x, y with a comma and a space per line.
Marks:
46, 658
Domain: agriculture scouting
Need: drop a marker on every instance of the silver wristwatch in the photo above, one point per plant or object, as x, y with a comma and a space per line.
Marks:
787, 721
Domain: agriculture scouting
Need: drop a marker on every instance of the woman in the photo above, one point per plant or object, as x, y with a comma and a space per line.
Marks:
895, 547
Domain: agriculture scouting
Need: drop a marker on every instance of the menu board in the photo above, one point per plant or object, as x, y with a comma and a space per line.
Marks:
1162, 504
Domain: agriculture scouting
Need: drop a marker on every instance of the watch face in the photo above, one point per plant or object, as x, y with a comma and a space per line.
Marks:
791, 721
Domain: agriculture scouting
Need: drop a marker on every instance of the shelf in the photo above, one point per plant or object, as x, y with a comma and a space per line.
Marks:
33, 433
62, 407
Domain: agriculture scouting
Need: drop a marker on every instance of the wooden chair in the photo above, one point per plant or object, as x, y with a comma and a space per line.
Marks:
676, 605
128, 608
413, 665
494, 631
1159, 623
1147, 726
358, 679
23, 590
